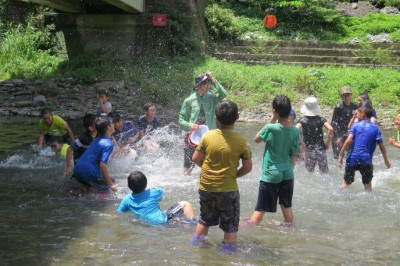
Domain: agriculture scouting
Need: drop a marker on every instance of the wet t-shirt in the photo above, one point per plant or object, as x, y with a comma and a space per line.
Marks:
341, 117
313, 135
366, 136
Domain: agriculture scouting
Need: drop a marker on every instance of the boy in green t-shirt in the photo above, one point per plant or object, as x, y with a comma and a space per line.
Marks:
282, 141
218, 154
58, 147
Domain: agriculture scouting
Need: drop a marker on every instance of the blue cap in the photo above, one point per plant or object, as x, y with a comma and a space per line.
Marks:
292, 113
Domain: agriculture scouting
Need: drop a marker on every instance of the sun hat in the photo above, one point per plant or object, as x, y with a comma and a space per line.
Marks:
195, 136
202, 78
346, 90
310, 107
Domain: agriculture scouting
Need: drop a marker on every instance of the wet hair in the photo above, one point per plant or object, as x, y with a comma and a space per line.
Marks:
56, 139
102, 123
282, 106
89, 120
137, 182
226, 112
103, 92
115, 116
148, 105
45, 111
366, 108
364, 98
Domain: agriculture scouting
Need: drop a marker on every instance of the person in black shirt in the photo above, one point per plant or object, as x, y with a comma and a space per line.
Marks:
312, 141
79, 145
341, 117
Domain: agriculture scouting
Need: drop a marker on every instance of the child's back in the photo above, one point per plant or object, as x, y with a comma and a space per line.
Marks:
366, 136
145, 206
223, 149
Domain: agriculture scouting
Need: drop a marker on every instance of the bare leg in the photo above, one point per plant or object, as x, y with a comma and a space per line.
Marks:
368, 187
257, 217
187, 171
188, 211
230, 238
344, 184
287, 214
201, 230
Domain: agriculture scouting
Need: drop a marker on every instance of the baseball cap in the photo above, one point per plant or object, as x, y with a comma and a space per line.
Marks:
346, 90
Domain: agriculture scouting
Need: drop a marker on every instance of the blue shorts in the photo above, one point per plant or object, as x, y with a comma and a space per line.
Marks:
268, 194
221, 208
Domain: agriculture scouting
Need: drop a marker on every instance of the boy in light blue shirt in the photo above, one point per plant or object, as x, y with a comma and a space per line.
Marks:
144, 203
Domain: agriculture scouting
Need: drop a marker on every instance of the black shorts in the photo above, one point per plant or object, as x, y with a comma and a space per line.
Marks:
366, 171
188, 153
221, 208
268, 194
99, 184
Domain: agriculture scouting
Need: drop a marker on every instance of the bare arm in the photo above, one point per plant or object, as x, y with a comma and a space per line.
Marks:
257, 138
197, 158
106, 176
393, 142
247, 165
293, 158
383, 151
344, 147
330, 134
69, 131
41, 138
352, 120
68, 169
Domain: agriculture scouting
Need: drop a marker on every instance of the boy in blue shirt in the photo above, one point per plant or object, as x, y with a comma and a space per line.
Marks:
125, 131
144, 203
364, 135
91, 169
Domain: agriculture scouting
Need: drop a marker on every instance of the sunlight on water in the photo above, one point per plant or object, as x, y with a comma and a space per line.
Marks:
65, 226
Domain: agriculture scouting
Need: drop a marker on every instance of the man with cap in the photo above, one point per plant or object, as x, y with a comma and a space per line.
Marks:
312, 141
341, 117
199, 109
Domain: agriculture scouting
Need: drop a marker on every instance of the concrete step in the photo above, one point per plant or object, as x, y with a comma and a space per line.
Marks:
294, 58
299, 51
266, 62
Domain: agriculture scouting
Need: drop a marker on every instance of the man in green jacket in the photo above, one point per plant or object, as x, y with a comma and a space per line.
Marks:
199, 109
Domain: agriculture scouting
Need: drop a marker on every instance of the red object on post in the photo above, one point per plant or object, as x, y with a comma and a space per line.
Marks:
270, 21
159, 20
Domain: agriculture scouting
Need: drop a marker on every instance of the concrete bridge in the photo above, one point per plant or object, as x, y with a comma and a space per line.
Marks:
121, 27
79, 6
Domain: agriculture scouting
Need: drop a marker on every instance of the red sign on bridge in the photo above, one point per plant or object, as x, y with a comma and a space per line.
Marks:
159, 20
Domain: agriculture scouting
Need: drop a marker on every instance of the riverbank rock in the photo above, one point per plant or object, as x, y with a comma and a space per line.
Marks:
71, 100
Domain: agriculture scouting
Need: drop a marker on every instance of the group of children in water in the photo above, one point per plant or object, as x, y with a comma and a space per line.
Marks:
224, 155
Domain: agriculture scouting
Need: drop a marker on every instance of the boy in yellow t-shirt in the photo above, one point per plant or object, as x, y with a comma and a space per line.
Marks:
218, 154
53, 125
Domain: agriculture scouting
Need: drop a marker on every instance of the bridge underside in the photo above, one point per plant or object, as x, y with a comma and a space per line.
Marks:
85, 6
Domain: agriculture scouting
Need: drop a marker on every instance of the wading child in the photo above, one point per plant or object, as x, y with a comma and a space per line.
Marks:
144, 203
282, 142
58, 147
218, 154
396, 141
365, 136
149, 121
125, 131
341, 117
311, 126
91, 169
103, 105
79, 145
53, 125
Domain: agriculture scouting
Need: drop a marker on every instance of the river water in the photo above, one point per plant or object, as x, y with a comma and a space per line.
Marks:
46, 219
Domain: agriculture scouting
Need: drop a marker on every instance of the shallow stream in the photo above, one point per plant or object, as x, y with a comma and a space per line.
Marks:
46, 219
